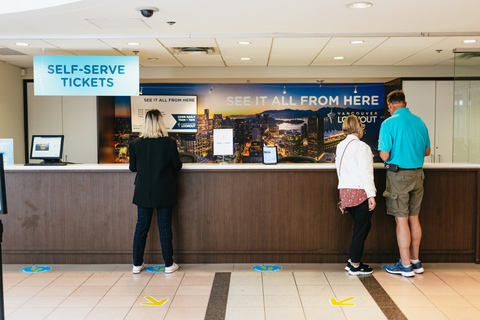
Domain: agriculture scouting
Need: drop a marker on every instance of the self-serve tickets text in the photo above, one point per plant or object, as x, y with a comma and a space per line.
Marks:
74, 74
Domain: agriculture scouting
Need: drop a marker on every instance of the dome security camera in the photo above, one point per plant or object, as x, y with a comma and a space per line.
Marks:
147, 12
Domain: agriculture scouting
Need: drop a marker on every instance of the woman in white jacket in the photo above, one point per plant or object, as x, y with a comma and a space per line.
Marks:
354, 161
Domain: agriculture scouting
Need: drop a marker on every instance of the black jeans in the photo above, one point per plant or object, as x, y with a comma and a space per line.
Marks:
164, 221
361, 227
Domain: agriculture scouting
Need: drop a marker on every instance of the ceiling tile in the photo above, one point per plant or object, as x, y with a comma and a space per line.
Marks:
296, 51
396, 49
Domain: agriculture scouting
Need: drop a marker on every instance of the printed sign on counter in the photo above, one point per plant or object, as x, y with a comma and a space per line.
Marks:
223, 142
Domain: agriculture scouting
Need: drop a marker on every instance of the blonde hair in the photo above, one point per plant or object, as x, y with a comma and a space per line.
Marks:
153, 126
352, 124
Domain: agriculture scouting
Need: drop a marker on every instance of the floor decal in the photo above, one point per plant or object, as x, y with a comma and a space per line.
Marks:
155, 269
343, 302
154, 302
267, 268
36, 269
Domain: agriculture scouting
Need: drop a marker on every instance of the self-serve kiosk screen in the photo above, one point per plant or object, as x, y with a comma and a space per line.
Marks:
47, 147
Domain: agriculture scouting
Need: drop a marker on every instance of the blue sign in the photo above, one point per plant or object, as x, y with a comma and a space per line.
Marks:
155, 269
267, 268
86, 76
36, 269
185, 121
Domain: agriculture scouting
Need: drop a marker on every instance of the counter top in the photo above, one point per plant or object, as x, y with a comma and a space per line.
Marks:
215, 166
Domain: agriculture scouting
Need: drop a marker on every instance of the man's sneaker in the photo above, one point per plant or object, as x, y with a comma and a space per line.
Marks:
174, 267
138, 269
398, 268
361, 269
417, 267
349, 265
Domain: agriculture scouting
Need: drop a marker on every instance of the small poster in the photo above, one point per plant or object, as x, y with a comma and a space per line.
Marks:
179, 112
6, 148
223, 142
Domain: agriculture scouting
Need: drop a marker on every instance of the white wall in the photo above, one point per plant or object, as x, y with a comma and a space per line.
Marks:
466, 122
11, 109
75, 117
433, 102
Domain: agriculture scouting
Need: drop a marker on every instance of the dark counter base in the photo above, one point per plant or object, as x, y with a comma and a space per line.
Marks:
244, 216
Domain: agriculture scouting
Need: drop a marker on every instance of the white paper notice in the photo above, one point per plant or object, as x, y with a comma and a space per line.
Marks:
223, 142
270, 155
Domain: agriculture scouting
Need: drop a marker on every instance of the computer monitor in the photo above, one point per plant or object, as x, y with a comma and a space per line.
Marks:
48, 148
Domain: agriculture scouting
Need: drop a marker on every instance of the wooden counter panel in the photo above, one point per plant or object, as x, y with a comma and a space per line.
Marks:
237, 216
58, 215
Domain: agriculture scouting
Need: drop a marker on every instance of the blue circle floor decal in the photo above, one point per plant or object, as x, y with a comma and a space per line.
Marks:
267, 268
155, 269
36, 269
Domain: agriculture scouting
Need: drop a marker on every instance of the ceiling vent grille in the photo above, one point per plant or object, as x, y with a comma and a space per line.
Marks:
10, 52
193, 50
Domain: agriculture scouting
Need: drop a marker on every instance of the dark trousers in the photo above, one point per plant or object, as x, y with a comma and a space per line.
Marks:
361, 227
164, 221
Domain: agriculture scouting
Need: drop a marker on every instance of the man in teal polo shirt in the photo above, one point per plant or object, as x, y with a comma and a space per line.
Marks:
403, 145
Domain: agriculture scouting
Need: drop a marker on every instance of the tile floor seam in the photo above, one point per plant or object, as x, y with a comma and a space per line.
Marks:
334, 294
174, 295
138, 297
263, 296
440, 308
299, 296
428, 296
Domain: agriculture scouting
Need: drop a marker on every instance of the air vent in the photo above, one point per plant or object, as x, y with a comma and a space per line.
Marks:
10, 52
193, 50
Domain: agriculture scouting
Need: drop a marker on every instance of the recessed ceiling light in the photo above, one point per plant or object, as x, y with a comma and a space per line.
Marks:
359, 5
244, 42
23, 44
153, 59
469, 41
356, 41
133, 44
338, 58
245, 59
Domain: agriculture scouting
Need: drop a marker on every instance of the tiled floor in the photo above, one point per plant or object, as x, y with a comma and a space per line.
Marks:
298, 291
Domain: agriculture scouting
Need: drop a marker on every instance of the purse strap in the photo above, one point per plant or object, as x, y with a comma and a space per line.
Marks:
341, 159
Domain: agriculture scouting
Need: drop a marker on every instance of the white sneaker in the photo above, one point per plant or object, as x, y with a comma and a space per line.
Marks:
174, 267
138, 269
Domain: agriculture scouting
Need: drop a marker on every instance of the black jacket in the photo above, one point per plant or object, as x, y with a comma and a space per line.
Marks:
155, 162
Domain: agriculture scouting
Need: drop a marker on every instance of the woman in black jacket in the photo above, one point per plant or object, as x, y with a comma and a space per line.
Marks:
154, 157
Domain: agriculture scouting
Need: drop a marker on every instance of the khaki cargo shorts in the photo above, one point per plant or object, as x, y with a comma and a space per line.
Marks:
404, 192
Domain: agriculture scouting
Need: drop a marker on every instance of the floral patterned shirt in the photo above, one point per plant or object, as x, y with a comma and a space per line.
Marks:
352, 197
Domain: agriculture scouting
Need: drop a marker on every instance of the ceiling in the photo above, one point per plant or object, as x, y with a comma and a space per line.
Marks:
282, 33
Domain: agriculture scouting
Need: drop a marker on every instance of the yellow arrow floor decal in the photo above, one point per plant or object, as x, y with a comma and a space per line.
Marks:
334, 302
154, 302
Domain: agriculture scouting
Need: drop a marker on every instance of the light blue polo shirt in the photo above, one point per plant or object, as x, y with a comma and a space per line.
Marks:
405, 136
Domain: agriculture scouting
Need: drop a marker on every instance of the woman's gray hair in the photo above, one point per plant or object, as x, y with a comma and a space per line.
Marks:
352, 124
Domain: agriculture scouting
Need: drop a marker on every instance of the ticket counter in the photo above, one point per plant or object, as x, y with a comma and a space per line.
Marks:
236, 213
